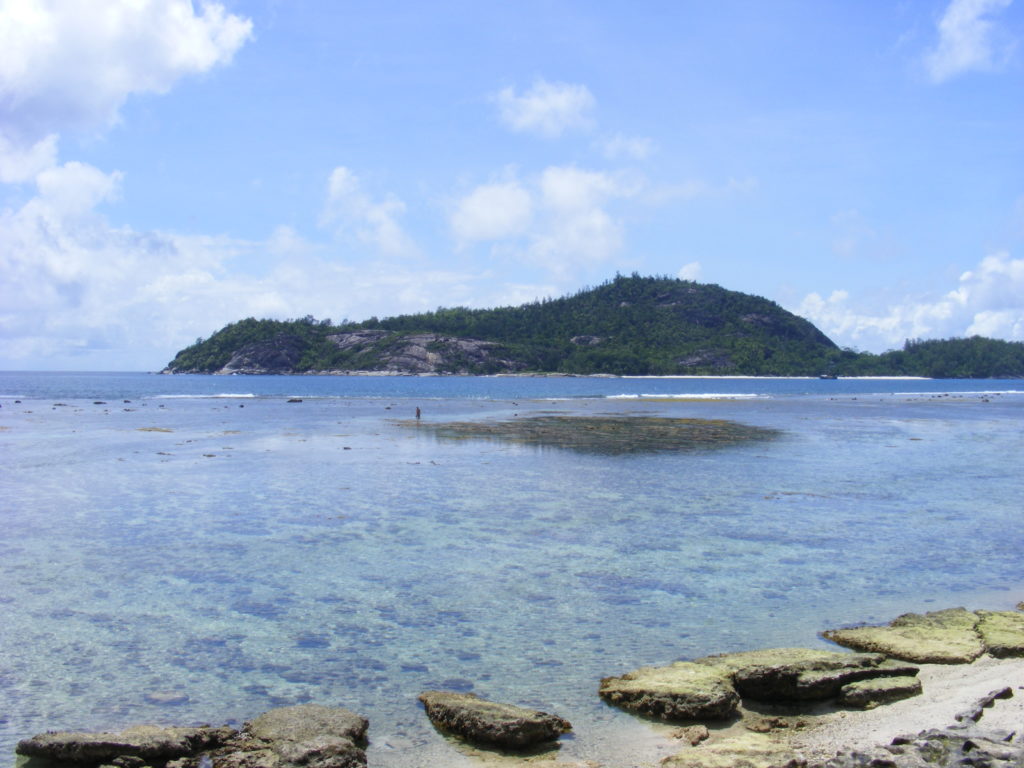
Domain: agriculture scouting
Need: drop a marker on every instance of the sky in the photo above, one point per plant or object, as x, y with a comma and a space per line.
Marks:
167, 167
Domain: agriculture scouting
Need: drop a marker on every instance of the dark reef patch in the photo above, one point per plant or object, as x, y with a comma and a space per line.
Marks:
605, 435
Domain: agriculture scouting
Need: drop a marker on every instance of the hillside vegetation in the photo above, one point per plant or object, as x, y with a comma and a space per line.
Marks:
628, 326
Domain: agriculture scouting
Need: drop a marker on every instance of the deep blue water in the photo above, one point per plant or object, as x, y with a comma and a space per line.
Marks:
244, 552
137, 385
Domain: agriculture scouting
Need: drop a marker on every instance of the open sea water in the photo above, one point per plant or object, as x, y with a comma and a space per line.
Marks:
186, 549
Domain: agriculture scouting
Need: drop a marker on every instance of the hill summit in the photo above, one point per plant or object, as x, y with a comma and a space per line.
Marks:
628, 325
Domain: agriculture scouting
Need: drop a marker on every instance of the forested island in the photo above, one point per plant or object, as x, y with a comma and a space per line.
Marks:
640, 326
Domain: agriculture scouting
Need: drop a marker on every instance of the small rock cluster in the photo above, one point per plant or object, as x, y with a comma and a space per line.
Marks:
705, 689
711, 688
303, 736
964, 745
306, 735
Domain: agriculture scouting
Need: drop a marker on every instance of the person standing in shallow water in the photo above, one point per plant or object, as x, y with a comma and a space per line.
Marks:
417, 413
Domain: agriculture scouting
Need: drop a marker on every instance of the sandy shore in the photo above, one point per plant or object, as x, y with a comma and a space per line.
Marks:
948, 689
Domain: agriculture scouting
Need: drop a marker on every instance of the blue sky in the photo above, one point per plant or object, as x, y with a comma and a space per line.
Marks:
168, 167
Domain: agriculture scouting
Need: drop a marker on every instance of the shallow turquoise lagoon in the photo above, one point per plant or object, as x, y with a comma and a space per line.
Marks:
187, 559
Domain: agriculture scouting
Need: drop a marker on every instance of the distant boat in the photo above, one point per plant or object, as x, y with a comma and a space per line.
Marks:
828, 376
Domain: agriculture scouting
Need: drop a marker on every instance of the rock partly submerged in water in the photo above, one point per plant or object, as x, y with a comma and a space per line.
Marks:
678, 692
306, 735
951, 636
491, 723
150, 743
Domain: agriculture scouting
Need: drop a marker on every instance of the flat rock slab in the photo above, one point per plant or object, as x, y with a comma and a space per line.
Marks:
941, 637
305, 722
680, 691
1002, 632
800, 674
491, 723
148, 742
868, 694
746, 751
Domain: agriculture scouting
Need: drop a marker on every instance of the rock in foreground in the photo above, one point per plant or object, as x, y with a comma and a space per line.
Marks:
800, 674
868, 694
306, 736
308, 721
484, 722
950, 636
680, 691
149, 743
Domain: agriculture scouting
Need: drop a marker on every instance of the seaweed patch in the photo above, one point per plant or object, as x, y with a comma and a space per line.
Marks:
606, 435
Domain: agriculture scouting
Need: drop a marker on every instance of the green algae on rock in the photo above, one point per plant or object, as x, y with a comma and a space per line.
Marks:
748, 750
492, 723
800, 674
680, 691
868, 694
940, 637
606, 435
1002, 632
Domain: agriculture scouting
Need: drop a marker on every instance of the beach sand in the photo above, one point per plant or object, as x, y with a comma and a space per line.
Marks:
948, 689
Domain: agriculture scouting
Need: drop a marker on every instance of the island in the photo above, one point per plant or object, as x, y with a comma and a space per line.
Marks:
627, 326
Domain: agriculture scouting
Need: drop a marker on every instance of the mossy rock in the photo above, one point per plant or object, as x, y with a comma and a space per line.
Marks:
800, 674
749, 750
491, 723
940, 637
679, 692
868, 694
1002, 632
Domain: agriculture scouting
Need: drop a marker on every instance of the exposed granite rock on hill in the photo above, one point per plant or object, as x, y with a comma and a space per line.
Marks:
630, 325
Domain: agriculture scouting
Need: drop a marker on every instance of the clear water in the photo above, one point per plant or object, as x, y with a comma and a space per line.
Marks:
281, 552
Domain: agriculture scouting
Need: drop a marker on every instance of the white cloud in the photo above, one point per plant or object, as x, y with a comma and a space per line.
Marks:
690, 271
492, 212
988, 301
78, 293
547, 109
966, 39
72, 63
22, 163
375, 221
558, 220
629, 147
618, 147
578, 229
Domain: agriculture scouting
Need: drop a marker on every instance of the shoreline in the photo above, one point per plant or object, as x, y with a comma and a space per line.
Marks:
948, 690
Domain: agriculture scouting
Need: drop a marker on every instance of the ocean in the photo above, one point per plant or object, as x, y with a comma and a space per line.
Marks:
186, 549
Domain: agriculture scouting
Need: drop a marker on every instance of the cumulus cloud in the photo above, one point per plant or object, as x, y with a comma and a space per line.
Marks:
558, 219
492, 212
579, 229
988, 301
967, 39
374, 222
72, 63
19, 164
690, 271
619, 147
547, 109
79, 293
